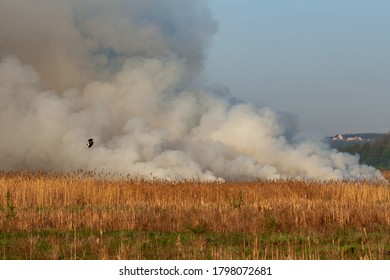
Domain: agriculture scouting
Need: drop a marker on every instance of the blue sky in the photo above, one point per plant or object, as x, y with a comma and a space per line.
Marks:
327, 62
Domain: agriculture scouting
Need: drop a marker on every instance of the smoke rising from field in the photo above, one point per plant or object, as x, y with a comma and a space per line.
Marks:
126, 73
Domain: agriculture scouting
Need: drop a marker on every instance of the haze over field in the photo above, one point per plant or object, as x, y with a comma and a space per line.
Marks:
127, 74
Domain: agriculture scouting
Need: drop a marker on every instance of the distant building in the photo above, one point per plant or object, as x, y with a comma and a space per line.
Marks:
338, 137
354, 139
346, 139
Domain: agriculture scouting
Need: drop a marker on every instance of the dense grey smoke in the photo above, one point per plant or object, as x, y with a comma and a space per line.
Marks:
125, 74
71, 42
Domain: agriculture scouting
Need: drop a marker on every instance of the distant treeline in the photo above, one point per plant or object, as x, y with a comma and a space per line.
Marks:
375, 153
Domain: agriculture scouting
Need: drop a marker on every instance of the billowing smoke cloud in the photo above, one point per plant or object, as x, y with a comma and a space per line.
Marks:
125, 73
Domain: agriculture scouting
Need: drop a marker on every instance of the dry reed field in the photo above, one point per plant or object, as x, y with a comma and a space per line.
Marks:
84, 216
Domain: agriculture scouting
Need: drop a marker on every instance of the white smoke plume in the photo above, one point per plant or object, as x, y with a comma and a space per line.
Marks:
125, 73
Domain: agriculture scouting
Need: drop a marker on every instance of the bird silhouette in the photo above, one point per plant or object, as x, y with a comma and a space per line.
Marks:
90, 143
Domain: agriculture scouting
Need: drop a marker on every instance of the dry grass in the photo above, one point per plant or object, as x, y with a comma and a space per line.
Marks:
274, 220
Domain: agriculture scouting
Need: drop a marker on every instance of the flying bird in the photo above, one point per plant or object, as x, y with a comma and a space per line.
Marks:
90, 143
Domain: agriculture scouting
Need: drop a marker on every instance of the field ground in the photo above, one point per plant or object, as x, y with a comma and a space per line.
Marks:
82, 216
